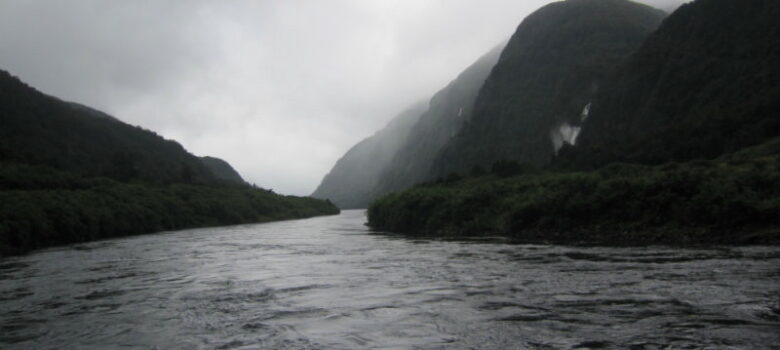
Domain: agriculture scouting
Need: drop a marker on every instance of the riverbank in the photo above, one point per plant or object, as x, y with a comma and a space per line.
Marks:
43, 207
731, 200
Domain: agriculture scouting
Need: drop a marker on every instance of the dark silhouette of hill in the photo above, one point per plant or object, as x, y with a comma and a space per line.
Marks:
539, 92
706, 83
222, 170
677, 145
40, 129
447, 112
70, 173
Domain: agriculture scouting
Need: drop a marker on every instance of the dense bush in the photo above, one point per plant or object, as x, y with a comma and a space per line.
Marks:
42, 207
731, 199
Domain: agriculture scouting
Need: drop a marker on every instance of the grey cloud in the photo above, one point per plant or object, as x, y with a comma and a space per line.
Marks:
280, 89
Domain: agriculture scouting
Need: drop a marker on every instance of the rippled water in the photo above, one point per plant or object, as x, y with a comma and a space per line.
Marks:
326, 283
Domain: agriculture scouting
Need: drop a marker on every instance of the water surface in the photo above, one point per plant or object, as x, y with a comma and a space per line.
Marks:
327, 283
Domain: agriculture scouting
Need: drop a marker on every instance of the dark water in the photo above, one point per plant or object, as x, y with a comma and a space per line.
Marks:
325, 283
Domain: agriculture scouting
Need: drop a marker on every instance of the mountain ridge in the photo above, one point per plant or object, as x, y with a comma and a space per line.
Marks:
41, 129
405, 158
704, 84
545, 79
352, 179
679, 146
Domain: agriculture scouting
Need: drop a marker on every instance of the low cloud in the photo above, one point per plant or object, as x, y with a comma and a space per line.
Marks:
280, 89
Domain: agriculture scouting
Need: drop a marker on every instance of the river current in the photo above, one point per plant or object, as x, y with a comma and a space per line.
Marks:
329, 283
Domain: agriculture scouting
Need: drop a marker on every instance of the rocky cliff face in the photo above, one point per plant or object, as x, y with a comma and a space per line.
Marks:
540, 91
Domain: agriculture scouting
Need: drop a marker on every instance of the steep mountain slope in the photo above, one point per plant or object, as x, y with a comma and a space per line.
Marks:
539, 91
40, 129
70, 173
706, 83
222, 170
448, 110
352, 180
400, 155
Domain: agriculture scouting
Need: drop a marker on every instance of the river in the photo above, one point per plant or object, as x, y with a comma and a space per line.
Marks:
329, 283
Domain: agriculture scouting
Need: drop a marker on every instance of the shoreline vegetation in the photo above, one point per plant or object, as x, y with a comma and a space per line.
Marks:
42, 207
72, 174
734, 199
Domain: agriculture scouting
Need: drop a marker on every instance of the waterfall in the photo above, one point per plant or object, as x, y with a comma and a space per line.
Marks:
585, 112
566, 133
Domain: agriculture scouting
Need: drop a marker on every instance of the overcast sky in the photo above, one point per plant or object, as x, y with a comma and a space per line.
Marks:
280, 89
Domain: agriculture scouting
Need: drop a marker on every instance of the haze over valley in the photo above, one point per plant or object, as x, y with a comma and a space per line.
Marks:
390, 174
279, 89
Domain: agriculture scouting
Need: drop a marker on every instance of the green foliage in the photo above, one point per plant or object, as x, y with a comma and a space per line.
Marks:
42, 207
507, 168
726, 200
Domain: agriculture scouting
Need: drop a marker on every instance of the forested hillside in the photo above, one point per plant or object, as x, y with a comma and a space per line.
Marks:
678, 144
70, 173
222, 170
522, 102
539, 94
40, 129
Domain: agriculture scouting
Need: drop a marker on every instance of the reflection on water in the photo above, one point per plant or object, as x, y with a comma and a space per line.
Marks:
326, 283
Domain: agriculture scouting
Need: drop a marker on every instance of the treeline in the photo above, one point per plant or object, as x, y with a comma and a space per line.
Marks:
733, 199
41, 207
